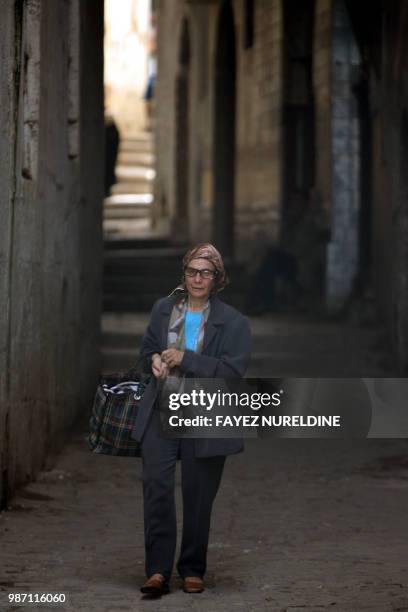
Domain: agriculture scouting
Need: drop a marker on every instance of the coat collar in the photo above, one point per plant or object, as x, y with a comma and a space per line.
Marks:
216, 318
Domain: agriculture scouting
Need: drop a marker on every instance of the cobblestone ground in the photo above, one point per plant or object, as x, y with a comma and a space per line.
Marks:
298, 525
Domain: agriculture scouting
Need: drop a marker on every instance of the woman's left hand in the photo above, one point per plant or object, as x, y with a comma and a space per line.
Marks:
172, 357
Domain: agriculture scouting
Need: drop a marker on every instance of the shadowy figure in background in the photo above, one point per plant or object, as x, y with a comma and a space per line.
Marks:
148, 95
148, 98
276, 285
112, 139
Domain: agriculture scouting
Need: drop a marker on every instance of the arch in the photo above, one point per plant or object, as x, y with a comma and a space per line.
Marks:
224, 131
298, 112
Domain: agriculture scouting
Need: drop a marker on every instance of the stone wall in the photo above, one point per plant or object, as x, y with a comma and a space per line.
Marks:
257, 182
259, 130
169, 21
389, 108
354, 230
51, 173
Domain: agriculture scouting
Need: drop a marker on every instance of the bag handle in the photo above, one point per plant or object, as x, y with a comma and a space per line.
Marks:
124, 384
136, 371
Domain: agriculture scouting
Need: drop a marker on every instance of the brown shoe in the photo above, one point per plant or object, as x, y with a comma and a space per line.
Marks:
193, 584
157, 584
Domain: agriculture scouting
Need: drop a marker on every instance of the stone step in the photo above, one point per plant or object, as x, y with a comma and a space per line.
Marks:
135, 158
139, 302
130, 187
127, 269
138, 272
128, 211
133, 179
137, 145
148, 283
129, 260
172, 250
129, 199
143, 302
115, 230
130, 275
134, 173
150, 279
155, 241
142, 135
127, 206
153, 253
134, 168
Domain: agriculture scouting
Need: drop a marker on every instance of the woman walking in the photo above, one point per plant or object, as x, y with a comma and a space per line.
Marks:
191, 333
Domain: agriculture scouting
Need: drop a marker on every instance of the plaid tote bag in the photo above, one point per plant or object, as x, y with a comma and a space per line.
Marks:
114, 414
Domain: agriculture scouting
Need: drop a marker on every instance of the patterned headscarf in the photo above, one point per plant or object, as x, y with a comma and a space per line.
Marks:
209, 252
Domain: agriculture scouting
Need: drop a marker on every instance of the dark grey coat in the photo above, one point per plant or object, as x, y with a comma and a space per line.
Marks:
225, 354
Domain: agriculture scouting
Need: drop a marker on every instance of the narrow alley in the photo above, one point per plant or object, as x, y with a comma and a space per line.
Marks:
274, 135
297, 525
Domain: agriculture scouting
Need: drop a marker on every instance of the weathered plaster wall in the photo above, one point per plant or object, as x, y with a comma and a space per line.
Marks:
9, 34
51, 168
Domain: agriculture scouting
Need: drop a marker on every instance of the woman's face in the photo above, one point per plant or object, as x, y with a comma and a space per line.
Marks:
198, 285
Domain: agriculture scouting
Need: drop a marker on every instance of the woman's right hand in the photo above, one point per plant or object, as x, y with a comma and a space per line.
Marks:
159, 368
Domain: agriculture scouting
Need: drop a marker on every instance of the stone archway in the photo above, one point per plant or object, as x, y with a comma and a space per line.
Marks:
298, 113
224, 132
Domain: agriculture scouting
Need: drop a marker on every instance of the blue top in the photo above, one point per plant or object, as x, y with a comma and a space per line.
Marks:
192, 328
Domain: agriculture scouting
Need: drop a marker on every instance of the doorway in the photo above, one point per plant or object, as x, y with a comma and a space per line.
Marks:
182, 153
224, 132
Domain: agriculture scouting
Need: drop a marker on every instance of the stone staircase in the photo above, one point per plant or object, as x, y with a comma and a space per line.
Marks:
127, 211
137, 272
139, 266
135, 165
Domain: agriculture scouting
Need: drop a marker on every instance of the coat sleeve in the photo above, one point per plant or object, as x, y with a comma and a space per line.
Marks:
234, 356
151, 339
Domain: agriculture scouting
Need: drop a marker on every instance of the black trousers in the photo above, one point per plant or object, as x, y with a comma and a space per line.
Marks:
200, 481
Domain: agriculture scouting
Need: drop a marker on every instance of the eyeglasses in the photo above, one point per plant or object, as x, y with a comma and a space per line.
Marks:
203, 273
